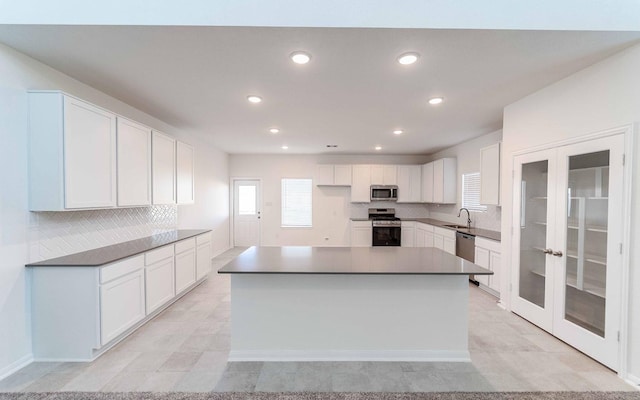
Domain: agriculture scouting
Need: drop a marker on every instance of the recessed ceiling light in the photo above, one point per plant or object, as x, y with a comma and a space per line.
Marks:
254, 99
285, 147
332, 146
378, 148
398, 132
274, 130
435, 100
300, 57
408, 58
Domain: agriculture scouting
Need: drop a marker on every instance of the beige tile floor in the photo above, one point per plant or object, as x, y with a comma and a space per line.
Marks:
185, 349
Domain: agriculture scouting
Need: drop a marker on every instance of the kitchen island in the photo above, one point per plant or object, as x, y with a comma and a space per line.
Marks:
348, 304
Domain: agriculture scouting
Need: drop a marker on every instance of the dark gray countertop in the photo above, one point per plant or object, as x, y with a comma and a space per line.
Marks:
485, 233
350, 260
108, 254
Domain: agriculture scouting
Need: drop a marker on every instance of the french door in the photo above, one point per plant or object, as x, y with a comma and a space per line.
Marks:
568, 230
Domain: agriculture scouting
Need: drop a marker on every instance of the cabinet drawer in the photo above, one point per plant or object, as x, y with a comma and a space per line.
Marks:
424, 227
204, 238
156, 255
408, 224
488, 244
448, 233
184, 245
361, 224
113, 271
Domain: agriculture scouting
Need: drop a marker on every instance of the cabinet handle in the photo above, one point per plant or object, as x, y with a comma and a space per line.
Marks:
557, 253
547, 251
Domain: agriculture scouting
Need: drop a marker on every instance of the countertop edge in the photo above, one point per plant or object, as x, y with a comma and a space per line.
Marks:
48, 263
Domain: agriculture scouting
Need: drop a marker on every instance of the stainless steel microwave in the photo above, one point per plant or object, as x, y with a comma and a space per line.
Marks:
384, 193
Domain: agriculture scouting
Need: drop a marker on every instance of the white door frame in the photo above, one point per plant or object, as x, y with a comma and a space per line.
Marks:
629, 132
232, 181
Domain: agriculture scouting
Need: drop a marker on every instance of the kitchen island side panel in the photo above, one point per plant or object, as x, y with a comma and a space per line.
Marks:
349, 317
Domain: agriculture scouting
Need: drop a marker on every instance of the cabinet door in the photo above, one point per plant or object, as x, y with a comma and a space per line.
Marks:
89, 155
342, 175
377, 175
450, 245
482, 259
404, 183
185, 173
122, 305
438, 242
324, 175
427, 183
134, 164
163, 169
160, 283
438, 181
407, 236
490, 175
361, 237
203, 260
494, 262
361, 184
185, 269
389, 175
420, 240
429, 239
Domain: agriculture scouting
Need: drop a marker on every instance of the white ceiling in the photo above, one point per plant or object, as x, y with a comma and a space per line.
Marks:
353, 93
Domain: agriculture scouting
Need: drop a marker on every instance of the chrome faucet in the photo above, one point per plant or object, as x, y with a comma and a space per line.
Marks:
468, 217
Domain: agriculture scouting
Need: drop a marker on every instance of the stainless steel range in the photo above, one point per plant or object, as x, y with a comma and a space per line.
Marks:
386, 227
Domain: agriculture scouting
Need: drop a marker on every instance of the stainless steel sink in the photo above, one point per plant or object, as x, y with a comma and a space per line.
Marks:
456, 226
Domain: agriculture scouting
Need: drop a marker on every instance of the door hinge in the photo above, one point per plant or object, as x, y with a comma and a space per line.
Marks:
623, 159
618, 336
620, 248
510, 287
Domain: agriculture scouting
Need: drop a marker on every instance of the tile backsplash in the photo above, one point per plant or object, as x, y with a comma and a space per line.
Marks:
54, 234
403, 210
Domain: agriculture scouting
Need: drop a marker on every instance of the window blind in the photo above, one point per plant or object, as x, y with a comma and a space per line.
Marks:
296, 202
471, 192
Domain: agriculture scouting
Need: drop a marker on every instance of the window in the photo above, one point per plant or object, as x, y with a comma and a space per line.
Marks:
471, 192
296, 202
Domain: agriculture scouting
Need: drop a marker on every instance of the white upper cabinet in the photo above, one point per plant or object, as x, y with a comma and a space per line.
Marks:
445, 181
333, 175
383, 175
361, 184
134, 164
490, 175
427, 183
164, 169
72, 154
409, 183
185, 172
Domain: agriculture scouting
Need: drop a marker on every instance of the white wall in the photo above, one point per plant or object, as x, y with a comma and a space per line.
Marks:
467, 155
21, 232
602, 96
331, 205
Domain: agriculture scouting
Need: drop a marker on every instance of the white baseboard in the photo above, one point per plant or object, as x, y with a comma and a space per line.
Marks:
350, 355
633, 380
16, 366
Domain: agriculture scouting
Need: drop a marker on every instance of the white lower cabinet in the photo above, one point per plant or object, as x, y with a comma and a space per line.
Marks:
185, 264
488, 256
159, 277
361, 234
444, 239
80, 312
408, 234
203, 255
122, 300
424, 235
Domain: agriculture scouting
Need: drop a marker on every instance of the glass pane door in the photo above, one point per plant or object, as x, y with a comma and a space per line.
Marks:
586, 236
533, 231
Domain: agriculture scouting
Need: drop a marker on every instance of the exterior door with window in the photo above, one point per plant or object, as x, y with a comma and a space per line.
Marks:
246, 213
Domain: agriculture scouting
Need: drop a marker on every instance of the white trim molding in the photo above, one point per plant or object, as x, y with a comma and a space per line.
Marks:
350, 355
16, 366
